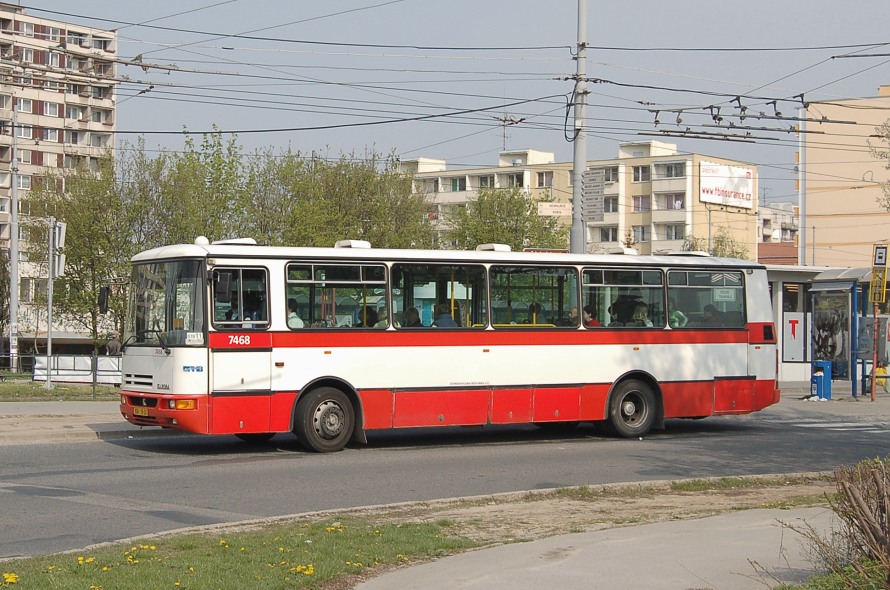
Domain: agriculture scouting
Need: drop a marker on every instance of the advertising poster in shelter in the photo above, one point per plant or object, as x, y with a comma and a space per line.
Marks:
831, 331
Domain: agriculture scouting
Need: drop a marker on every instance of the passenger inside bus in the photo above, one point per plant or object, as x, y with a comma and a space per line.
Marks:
640, 318
712, 317
443, 316
676, 318
412, 318
367, 317
572, 318
293, 316
590, 320
383, 319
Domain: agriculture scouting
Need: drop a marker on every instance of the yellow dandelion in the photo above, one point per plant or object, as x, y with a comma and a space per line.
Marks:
10, 578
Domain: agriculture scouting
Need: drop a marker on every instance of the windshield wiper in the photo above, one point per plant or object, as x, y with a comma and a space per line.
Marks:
159, 334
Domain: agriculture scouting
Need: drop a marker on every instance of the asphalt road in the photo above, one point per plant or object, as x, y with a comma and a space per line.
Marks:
64, 496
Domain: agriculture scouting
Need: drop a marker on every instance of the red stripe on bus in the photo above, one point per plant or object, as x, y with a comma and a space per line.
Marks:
358, 338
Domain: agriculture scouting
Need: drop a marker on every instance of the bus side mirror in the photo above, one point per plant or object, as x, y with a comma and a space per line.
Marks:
222, 286
103, 299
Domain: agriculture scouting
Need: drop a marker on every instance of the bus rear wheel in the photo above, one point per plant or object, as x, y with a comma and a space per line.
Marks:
632, 409
324, 420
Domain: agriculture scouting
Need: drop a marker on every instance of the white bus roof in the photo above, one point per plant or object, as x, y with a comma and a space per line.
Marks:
239, 250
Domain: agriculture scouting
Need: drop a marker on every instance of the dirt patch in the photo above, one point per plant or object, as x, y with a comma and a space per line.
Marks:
533, 515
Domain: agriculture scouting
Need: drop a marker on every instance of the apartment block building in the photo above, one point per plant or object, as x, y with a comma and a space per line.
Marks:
57, 111
653, 197
842, 202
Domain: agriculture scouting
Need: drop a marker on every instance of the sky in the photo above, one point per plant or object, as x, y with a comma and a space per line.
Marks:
460, 80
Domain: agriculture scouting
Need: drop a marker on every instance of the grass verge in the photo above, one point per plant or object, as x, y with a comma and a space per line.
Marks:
293, 555
29, 391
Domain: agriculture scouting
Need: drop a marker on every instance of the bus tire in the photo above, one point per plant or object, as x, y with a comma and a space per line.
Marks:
632, 409
324, 420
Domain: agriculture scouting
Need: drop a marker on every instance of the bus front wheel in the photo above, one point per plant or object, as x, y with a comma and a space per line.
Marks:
632, 409
324, 420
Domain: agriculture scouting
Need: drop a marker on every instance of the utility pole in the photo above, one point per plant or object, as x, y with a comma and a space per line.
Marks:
14, 248
802, 189
578, 238
51, 235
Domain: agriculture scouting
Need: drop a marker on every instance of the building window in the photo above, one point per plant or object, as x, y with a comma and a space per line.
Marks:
24, 181
28, 29
23, 156
24, 131
516, 180
676, 170
612, 174
98, 92
98, 116
609, 233
675, 202
101, 43
641, 233
50, 85
5, 100
675, 232
98, 140
24, 105
51, 109
51, 135
457, 184
72, 137
53, 33
77, 39
545, 179
486, 181
53, 60
72, 112
72, 88
28, 55
641, 174
642, 203
610, 205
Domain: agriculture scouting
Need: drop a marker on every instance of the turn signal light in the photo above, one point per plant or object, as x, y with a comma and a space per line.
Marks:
181, 404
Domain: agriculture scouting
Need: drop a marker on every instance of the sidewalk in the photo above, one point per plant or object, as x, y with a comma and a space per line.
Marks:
48, 422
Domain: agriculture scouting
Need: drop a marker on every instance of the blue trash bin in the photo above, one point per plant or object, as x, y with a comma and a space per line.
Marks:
820, 382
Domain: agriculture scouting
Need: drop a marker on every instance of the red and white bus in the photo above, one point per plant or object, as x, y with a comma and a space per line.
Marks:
330, 343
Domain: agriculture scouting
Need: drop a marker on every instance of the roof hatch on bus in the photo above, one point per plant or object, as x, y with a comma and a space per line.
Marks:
493, 248
352, 244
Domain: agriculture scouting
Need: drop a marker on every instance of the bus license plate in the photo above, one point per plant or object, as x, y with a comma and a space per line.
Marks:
140, 411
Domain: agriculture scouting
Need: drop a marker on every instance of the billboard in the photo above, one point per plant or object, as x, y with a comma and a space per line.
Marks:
726, 185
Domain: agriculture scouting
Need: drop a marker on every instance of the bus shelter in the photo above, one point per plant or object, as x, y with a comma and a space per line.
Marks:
820, 312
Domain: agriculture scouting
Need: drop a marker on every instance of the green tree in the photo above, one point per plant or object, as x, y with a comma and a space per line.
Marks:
98, 243
722, 245
504, 216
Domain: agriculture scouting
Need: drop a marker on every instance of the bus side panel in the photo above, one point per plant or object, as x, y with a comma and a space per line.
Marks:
733, 396
687, 399
282, 407
441, 408
377, 408
240, 413
557, 404
593, 401
511, 406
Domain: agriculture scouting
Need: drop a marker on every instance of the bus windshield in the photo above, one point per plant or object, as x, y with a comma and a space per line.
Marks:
167, 305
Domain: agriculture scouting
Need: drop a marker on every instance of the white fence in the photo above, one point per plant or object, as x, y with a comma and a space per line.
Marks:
69, 368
